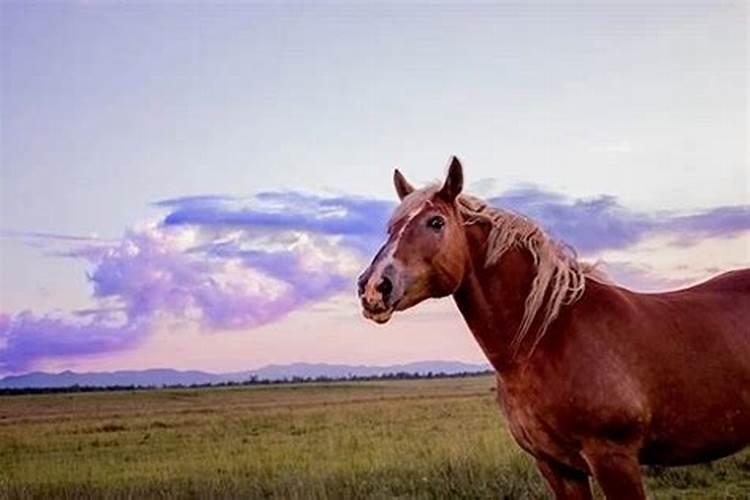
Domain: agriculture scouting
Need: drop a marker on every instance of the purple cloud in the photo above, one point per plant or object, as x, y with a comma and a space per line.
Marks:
26, 338
216, 279
602, 223
219, 283
358, 221
590, 225
716, 222
230, 262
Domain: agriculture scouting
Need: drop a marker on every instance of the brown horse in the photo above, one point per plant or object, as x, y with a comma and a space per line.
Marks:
594, 379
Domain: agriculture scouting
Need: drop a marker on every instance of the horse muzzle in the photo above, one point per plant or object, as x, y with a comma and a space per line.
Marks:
379, 294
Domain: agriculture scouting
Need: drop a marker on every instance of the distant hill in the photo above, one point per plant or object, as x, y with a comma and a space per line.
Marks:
158, 377
167, 376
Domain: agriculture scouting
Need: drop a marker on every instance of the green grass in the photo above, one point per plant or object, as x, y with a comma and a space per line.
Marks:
405, 439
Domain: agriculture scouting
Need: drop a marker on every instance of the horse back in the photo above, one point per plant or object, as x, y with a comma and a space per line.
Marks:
737, 281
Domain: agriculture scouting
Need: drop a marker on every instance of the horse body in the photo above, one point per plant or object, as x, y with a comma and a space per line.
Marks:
665, 376
647, 374
613, 380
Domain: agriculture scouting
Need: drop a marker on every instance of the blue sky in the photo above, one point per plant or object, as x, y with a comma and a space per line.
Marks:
623, 128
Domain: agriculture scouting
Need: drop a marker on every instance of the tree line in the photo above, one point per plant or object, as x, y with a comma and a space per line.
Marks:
250, 381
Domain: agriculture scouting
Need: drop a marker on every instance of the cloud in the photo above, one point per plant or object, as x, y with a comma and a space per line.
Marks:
224, 279
358, 222
713, 223
218, 277
590, 225
226, 262
340, 215
602, 223
26, 338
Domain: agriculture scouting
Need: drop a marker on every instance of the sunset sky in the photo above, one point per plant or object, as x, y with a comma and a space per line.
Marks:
197, 186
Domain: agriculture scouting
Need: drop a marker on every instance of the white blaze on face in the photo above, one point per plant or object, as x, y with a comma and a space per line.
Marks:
387, 257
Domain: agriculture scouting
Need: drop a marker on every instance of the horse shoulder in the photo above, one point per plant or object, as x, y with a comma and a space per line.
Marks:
574, 387
583, 374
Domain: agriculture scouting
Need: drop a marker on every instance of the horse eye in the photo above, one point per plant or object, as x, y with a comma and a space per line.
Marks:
436, 223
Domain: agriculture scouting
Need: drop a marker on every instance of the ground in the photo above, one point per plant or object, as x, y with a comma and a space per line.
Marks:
433, 438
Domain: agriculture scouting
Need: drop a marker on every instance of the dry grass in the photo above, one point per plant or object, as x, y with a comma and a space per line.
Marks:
408, 439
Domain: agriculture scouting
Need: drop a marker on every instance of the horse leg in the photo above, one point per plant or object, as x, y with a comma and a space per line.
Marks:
618, 473
564, 482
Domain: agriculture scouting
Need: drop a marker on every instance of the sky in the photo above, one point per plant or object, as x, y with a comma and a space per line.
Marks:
197, 186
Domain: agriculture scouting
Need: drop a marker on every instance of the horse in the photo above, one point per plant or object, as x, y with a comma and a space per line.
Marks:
594, 379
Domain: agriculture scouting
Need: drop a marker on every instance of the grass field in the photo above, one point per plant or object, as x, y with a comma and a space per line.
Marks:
411, 439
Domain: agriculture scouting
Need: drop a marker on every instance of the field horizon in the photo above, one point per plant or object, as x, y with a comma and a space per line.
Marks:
157, 377
428, 438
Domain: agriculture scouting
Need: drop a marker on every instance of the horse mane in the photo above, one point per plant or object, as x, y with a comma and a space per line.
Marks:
560, 276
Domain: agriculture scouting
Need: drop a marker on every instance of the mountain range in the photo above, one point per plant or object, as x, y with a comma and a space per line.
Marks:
168, 376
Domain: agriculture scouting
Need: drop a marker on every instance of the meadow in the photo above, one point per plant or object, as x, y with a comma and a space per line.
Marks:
434, 438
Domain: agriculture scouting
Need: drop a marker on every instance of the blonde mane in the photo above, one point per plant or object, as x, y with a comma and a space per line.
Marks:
560, 276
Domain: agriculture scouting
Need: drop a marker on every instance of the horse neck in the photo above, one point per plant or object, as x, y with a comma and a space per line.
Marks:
492, 298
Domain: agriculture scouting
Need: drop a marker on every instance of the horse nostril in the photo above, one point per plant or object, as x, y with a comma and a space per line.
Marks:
385, 287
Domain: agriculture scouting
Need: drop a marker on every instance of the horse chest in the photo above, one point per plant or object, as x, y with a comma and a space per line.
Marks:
530, 426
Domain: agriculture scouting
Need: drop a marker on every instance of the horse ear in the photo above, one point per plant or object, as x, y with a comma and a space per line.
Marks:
403, 188
454, 182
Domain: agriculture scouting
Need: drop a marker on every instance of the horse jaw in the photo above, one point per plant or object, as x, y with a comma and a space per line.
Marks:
380, 317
